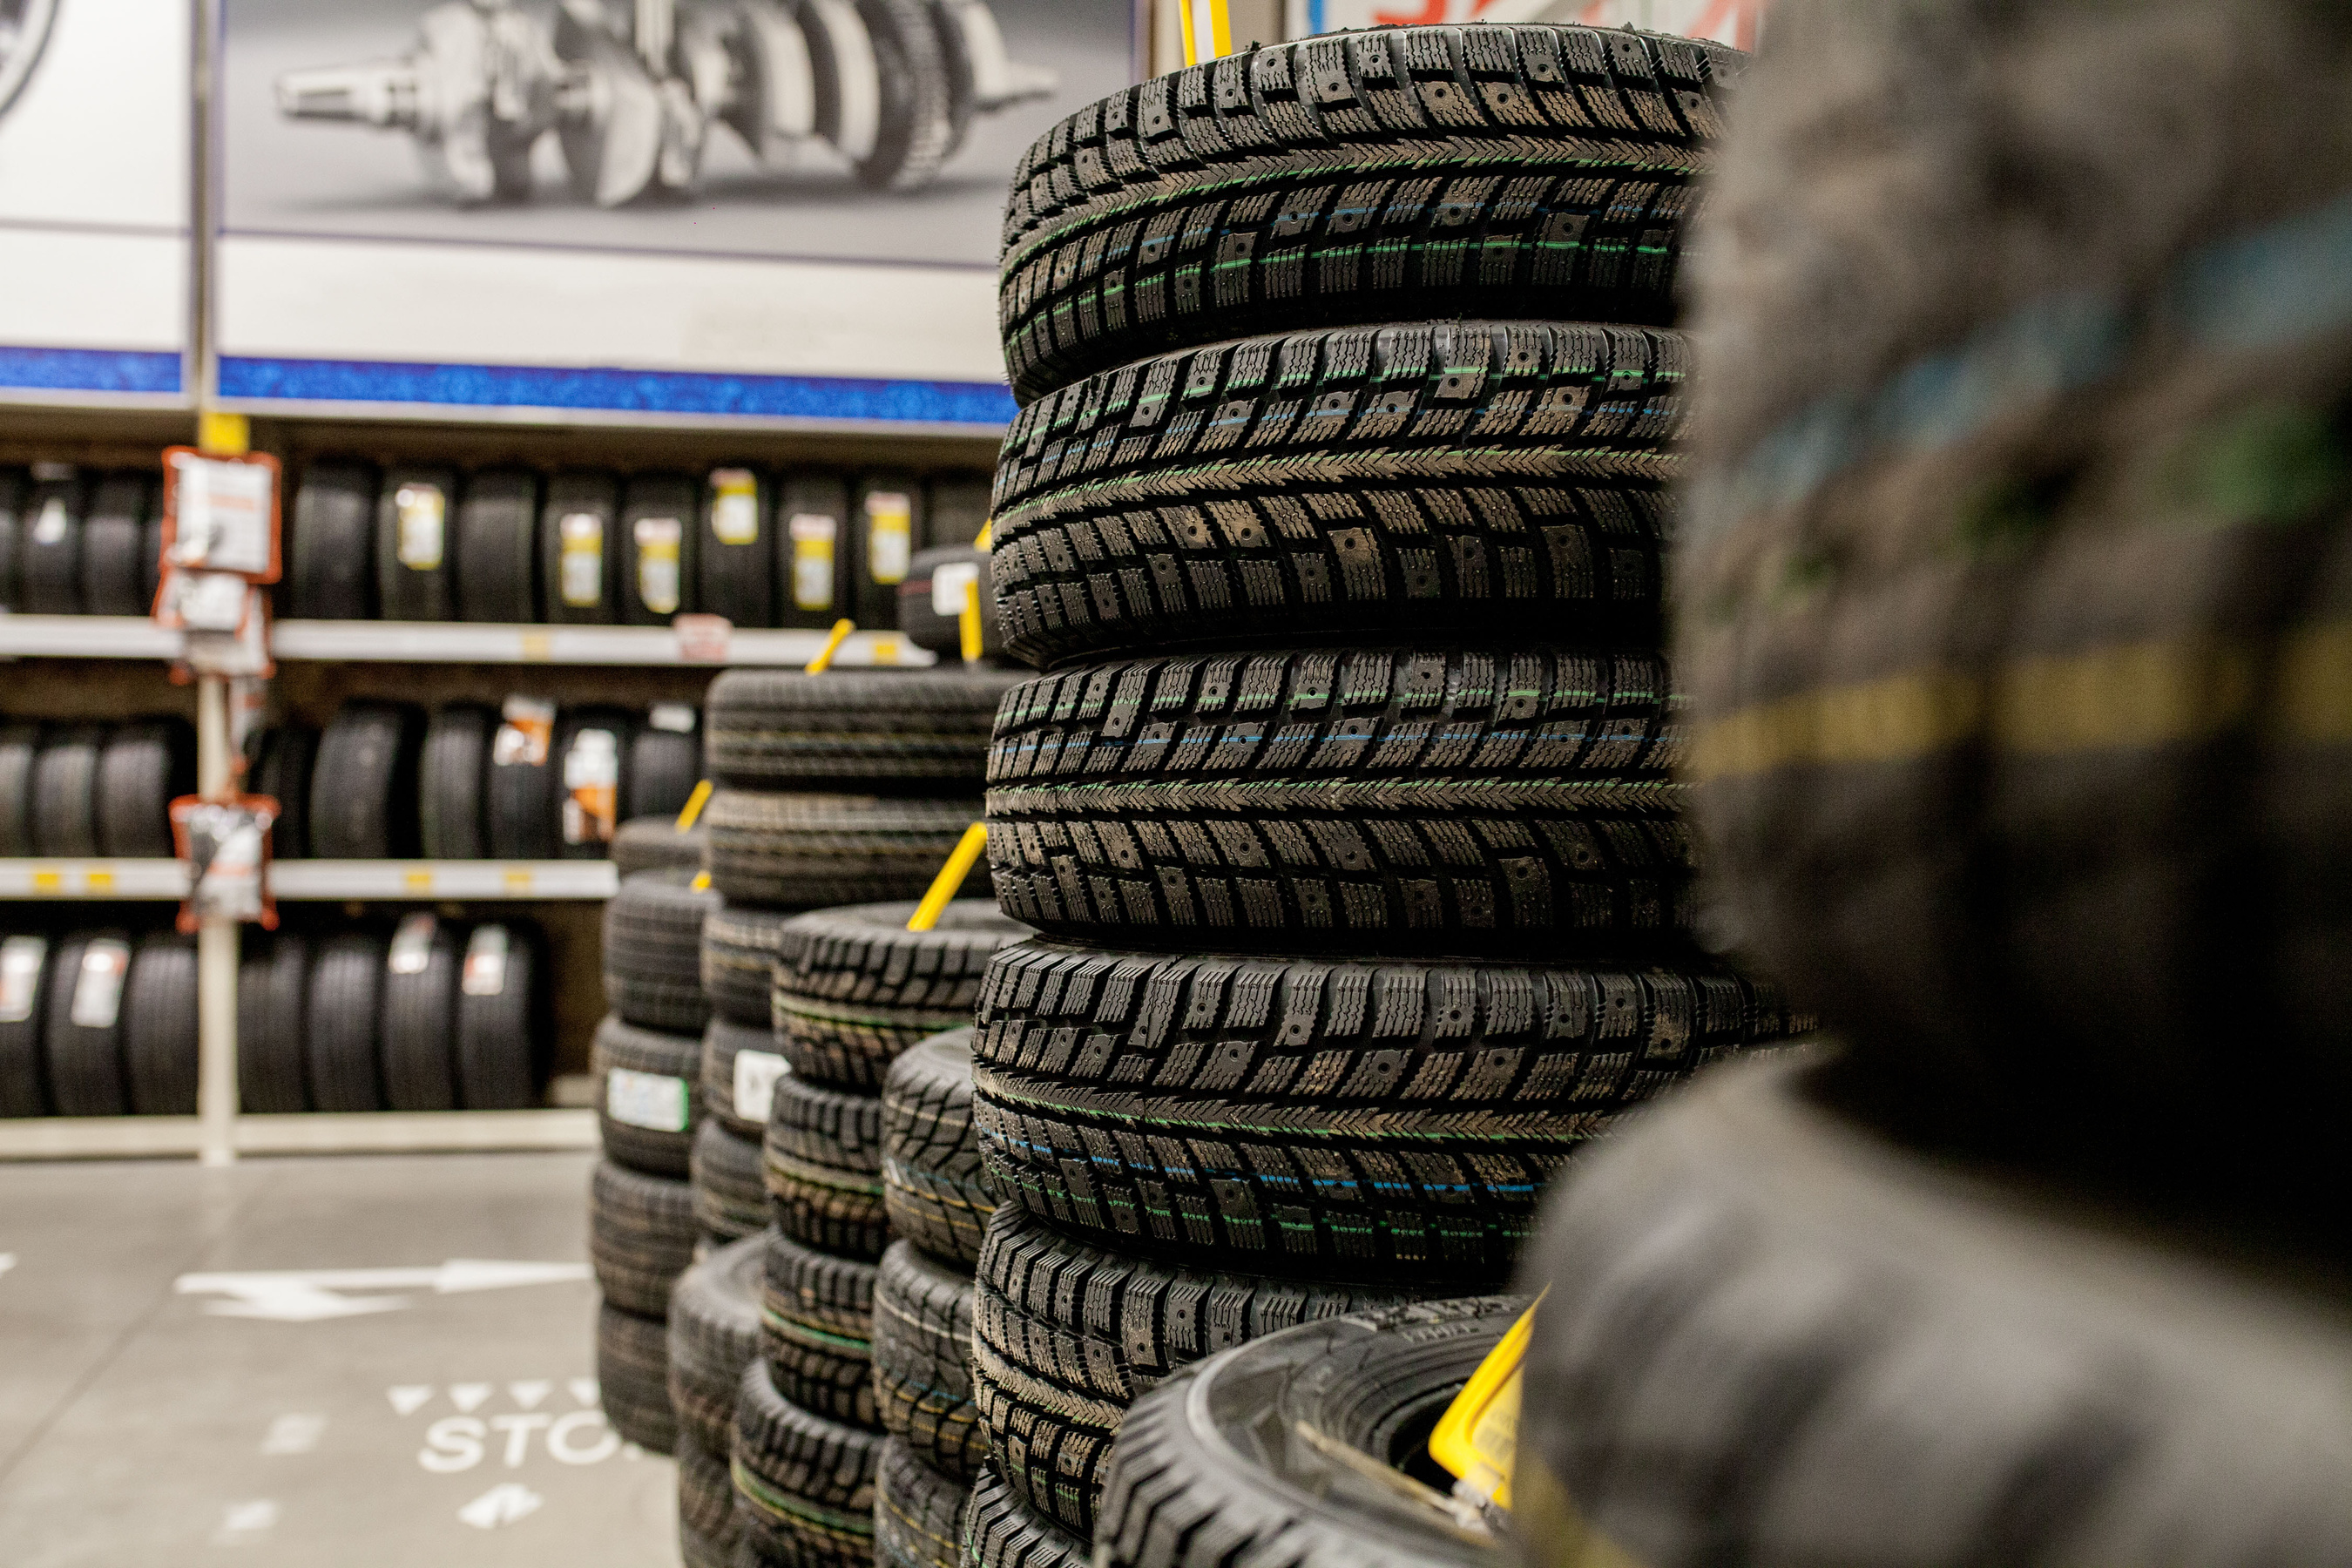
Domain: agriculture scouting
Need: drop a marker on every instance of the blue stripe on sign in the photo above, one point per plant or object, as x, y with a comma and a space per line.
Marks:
621, 391
89, 370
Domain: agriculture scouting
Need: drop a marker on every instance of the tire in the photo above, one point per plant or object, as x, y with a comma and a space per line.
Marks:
1000, 1531
1066, 1337
849, 1045
16, 524
341, 1053
655, 844
739, 958
955, 508
454, 778
647, 1119
113, 532
289, 756
653, 950
641, 1237
144, 767
853, 729
52, 558
807, 849
632, 1352
1306, 159
822, 1157
864, 953
580, 585
64, 793
1356, 1118
522, 800
593, 779
497, 531
706, 1497
729, 1199
87, 1076
363, 785
413, 556
662, 768
804, 1485
1373, 1383
1517, 801
151, 553
736, 573
935, 1188
918, 130
725, 1046
502, 1030
658, 512
918, 1513
273, 985
25, 973
815, 584
20, 748
1910, 1360
931, 610
714, 1334
330, 560
922, 1363
816, 1321
420, 1017
1523, 501
159, 1026
886, 518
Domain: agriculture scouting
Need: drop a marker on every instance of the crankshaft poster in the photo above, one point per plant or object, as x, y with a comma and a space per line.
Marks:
95, 175
771, 208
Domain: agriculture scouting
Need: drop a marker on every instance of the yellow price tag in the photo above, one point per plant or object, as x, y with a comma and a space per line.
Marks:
98, 880
1477, 1437
417, 881
46, 881
518, 878
538, 647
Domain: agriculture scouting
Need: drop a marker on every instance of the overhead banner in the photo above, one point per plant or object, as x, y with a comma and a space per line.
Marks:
770, 209
1735, 22
95, 117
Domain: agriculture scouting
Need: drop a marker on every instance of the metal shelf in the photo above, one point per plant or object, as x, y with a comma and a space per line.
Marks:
437, 642
85, 637
321, 880
115, 879
375, 1132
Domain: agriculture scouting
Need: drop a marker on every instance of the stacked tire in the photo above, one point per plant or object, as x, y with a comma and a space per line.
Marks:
643, 1220
83, 791
2027, 768
1352, 643
97, 1023
863, 1335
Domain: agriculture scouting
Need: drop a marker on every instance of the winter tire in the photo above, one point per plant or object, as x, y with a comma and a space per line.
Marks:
935, 1188
805, 849
816, 1328
646, 1118
653, 949
922, 1361
714, 1334
853, 729
641, 1237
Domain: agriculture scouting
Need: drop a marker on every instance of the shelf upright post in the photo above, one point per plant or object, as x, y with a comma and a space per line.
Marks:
217, 937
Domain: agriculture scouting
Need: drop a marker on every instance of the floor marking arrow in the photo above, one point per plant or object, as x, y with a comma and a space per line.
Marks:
305, 1296
468, 1396
586, 1390
409, 1398
502, 1504
527, 1395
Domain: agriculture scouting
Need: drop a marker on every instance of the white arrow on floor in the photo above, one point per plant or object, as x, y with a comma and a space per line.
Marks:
306, 1296
502, 1504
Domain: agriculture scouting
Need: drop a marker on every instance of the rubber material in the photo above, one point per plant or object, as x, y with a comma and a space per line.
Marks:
597, 499
1398, 798
655, 844
917, 121
159, 1026
653, 946
20, 746
496, 534
52, 558
113, 532
659, 1150
144, 767
1065, 1337
64, 793
282, 771
706, 1498
1385, 175
925, 625
363, 784
86, 1070
659, 774
273, 986
641, 1237
804, 1485
722, 1042
16, 525
420, 1025
24, 1066
918, 1513
329, 566
714, 1334
730, 1201
631, 1355
739, 953
1492, 478
650, 505
935, 1189
822, 1158
853, 988
453, 782
1370, 1382
922, 1361
1000, 1531
521, 823
1353, 1117
738, 579
854, 730
816, 1321
503, 1041
346, 1003
807, 849
417, 590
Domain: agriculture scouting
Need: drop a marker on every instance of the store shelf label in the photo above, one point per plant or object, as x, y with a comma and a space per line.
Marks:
48, 881
703, 639
21, 960
651, 1100
97, 880
419, 882
518, 878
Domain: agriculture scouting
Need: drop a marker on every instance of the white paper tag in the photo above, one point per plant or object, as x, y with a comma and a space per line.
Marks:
97, 988
220, 514
646, 1099
674, 718
890, 536
524, 738
812, 540
485, 962
582, 568
948, 580
735, 505
419, 509
206, 600
49, 527
658, 539
21, 958
591, 778
412, 944
756, 1073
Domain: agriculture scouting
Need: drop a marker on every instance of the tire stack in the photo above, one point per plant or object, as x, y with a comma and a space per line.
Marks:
856, 998
1351, 636
83, 791
97, 1023
643, 1213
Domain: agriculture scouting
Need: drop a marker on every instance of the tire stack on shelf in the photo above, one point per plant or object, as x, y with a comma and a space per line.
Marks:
74, 543
97, 1023
1354, 637
85, 791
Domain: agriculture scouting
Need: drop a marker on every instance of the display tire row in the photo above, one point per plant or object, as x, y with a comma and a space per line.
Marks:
464, 1028
83, 791
74, 544
99, 1023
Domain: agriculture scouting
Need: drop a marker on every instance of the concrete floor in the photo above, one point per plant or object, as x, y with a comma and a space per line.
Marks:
426, 1415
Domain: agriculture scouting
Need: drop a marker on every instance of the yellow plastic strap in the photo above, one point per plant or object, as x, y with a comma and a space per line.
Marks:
1221, 30
1477, 1437
970, 622
694, 804
701, 883
841, 630
951, 878
985, 539
1191, 50
223, 434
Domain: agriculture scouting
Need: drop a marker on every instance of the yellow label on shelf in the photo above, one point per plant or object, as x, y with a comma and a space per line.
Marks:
735, 505
885, 649
418, 882
45, 881
518, 878
97, 882
890, 536
223, 434
538, 647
